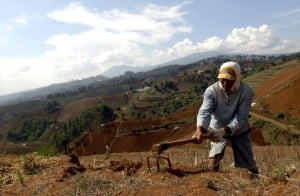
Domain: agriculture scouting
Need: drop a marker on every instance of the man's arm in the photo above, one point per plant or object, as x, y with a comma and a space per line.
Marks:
206, 109
242, 112
204, 114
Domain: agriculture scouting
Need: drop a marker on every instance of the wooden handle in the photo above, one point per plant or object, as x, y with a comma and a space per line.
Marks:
159, 148
182, 142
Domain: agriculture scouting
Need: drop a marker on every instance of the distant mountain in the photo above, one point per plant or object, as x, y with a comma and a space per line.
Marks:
193, 58
110, 73
116, 71
121, 69
44, 91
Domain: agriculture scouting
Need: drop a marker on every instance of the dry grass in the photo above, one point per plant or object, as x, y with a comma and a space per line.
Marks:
33, 174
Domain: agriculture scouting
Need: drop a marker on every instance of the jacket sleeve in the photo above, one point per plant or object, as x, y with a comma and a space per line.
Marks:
242, 112
206, 109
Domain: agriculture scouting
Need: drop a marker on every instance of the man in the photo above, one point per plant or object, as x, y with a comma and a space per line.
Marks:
224, 114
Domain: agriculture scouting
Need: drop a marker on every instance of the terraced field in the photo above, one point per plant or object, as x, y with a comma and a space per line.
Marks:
279, 88
261, 77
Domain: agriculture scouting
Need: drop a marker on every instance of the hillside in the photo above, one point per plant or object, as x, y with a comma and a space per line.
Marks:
144, 101
139, 135
279, 87
113, 155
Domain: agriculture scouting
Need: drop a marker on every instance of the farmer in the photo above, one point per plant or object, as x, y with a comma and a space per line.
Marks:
224, 114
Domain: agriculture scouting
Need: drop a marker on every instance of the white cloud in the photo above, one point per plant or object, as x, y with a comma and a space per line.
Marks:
240, 40
21, 20
75, 13
23, 73
115, 37
119, 37
159, 12
257, 40
149, 21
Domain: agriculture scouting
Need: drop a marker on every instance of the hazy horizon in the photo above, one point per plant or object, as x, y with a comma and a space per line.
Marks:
51, 42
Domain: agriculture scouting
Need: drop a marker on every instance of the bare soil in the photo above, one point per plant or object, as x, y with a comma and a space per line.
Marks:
128, 174
282, 92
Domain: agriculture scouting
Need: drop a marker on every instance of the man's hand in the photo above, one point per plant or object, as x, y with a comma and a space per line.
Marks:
218, 135
198, 133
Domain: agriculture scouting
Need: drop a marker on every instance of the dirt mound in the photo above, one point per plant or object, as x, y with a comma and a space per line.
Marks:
73, 168
129, 167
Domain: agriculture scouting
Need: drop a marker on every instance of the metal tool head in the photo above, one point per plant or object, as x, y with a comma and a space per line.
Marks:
157, 161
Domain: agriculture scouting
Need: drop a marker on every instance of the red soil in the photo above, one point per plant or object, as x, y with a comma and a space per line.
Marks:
127, 174
282, 92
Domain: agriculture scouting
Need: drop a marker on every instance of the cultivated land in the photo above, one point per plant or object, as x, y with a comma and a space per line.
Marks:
279, 86
113, 156
128, 174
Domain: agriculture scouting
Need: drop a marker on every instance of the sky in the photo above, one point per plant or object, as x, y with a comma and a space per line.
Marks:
53, 41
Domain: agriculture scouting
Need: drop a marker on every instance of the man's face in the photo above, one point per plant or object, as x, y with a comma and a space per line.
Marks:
227, 84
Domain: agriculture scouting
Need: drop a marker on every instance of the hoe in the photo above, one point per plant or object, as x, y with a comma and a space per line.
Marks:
157, 149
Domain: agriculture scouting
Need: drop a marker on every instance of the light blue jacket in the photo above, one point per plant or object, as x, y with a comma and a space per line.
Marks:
219, 110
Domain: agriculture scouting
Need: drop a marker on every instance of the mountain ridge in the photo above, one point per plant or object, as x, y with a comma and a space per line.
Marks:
72, 85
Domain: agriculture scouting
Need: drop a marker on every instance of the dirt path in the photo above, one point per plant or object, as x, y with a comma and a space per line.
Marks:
279, 124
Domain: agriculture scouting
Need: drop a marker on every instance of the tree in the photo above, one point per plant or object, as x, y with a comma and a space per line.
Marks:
52, 106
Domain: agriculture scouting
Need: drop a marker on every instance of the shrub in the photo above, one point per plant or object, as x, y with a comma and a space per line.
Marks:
47, 151
29, 165
279, 115
259, 124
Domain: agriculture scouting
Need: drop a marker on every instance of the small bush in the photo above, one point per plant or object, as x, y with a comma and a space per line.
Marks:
29, 165
279, 115
259, 124
278, 173
47, 151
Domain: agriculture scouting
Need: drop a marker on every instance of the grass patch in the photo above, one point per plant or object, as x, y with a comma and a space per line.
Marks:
274, 135
48, 151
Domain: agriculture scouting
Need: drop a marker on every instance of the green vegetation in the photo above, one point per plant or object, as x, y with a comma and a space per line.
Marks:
29, 165
30, 130
275, 135
92, 116
288, 119
52, 106
47, 150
